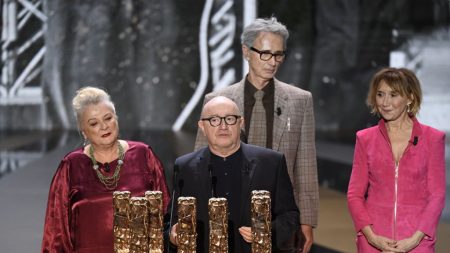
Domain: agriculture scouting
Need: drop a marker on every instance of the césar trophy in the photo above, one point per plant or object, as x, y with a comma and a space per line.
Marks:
139, 225
155, 217
218, 225
121, 206
187, 225
261, 222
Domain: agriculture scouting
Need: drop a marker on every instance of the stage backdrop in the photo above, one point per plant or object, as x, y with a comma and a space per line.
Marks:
157, 59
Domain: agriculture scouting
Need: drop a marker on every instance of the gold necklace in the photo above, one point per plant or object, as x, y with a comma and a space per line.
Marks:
109, 182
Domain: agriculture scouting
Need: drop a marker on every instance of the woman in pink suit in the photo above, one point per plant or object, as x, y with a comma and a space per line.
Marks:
397, 188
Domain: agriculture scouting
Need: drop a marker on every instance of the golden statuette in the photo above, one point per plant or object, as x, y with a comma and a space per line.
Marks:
121, 207
139, 225
155, 215
218, 225
261, 222
187, 225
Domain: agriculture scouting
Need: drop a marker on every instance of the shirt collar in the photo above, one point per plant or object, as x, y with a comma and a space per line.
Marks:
250, 89
416, 131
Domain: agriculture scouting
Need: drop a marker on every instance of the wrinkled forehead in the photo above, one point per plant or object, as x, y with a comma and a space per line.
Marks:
220, 107
97, 109
220, 110
102, 105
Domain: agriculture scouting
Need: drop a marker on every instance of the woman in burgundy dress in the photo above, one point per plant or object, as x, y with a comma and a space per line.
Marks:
79, 215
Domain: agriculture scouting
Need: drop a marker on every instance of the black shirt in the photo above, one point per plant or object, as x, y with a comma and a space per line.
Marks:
226, 178
268, 103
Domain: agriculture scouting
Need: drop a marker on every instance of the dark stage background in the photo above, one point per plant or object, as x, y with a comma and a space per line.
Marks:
156, 57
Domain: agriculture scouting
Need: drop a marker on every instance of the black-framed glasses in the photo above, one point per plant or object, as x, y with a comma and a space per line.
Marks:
215, 121
266, 55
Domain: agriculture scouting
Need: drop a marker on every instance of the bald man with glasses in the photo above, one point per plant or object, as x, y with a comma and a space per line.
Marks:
228, 168
278, 116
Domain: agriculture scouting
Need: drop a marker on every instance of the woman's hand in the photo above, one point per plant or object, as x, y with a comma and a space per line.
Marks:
410, 243
380, 242
383, 243
246, 233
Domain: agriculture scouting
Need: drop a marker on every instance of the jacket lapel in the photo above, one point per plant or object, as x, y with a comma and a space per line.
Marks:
280, 121
416, 131
202, 174
247, 172
238, 95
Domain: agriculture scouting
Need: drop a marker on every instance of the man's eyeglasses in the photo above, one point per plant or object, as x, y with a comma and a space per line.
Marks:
265, 55
215, 121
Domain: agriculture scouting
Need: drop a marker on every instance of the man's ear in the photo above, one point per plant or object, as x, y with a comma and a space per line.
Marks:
246, 52
201, 126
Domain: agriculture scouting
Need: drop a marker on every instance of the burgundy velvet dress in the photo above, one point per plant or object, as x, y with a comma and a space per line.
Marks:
79, 215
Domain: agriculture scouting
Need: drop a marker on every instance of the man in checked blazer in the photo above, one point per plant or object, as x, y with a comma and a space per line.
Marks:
289, 114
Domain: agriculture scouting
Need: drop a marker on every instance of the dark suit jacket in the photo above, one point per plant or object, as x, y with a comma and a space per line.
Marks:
262, 169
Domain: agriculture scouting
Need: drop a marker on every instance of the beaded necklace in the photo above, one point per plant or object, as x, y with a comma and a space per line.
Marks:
109, 182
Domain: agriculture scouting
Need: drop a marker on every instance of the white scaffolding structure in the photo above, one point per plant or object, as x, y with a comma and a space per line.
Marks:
22, 54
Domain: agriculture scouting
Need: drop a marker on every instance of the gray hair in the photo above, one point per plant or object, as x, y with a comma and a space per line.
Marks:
271, 25
89, 96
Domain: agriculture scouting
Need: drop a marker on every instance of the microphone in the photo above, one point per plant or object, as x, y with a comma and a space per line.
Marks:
172, 202
213, 181
213, 186
278, 111
180, 186
416, 140
246, 169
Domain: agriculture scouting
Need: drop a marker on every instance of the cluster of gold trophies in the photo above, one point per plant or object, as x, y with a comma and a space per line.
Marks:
138, 223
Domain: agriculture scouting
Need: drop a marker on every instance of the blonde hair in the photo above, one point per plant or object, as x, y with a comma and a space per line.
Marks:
89, 96
401, 80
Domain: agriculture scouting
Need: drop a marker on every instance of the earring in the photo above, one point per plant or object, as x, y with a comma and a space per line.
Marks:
408, 108
85, 139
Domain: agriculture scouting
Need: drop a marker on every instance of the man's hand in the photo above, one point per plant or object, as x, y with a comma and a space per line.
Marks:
246, 233
308, 236
173, 235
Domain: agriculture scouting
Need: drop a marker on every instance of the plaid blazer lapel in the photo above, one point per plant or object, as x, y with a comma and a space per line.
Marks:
237, 95
280, 121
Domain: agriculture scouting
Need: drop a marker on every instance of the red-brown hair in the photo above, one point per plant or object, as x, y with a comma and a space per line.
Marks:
401, 80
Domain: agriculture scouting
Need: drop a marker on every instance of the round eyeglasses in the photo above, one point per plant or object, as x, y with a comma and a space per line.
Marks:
215, 121
266, 55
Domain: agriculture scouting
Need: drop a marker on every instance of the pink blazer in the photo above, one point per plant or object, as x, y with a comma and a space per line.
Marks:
396, 207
